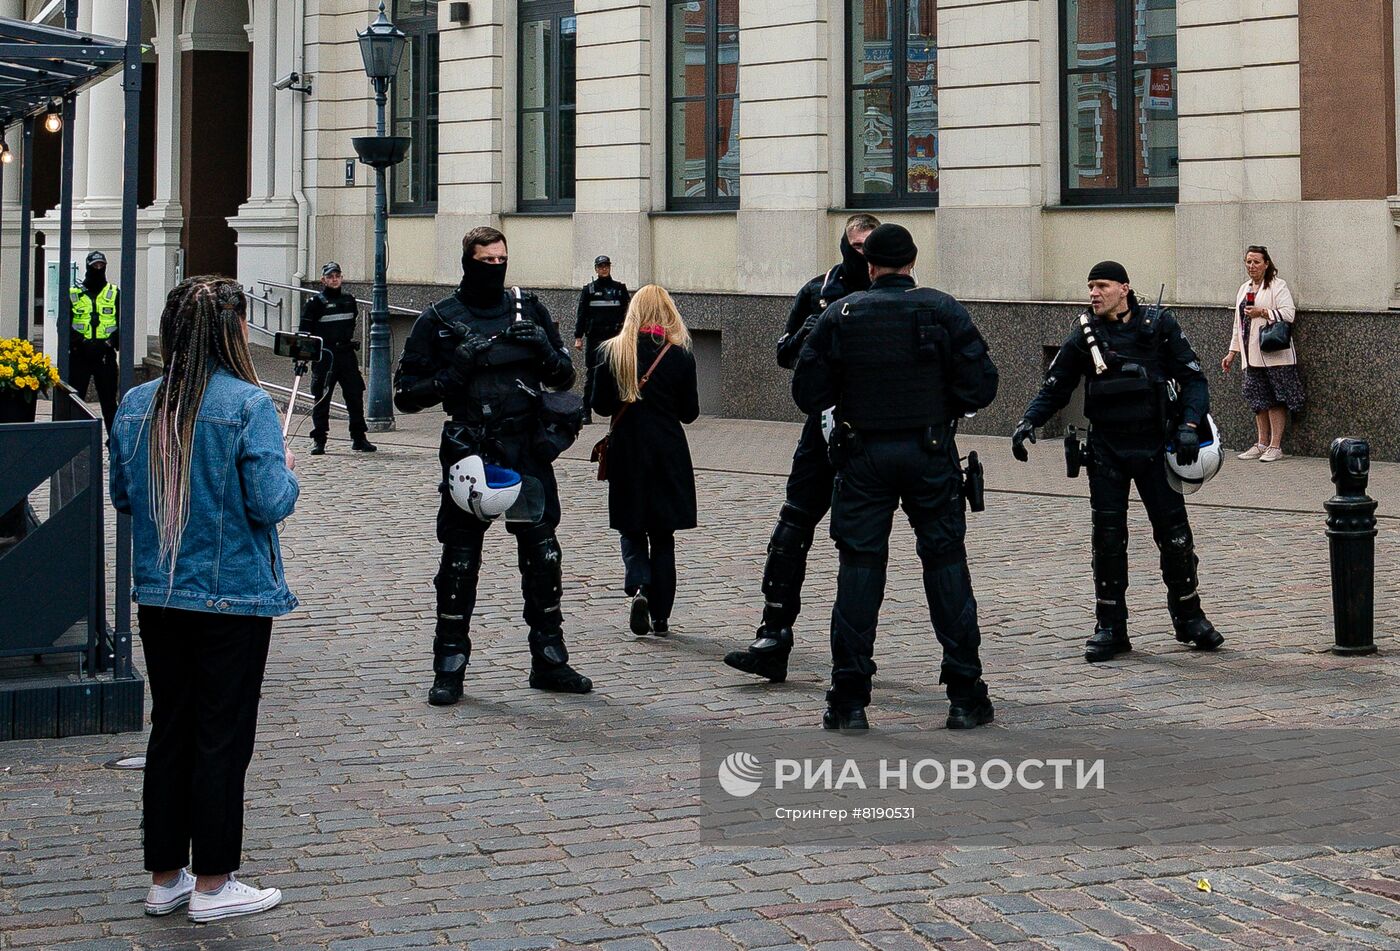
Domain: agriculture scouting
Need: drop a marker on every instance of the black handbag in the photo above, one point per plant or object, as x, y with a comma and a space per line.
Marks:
1275, 336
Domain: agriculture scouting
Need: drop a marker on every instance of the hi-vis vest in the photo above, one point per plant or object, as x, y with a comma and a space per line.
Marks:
106, 312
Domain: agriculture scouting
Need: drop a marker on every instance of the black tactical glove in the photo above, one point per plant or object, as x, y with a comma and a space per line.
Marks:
1188, 446
1024, 431
808, 325
464, 358
529, 334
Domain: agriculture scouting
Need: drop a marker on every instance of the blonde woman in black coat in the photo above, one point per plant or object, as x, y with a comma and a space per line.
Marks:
651, 483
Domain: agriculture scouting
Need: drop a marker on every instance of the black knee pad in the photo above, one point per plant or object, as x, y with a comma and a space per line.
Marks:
1178, 561
456, 582
934, 558
541, 570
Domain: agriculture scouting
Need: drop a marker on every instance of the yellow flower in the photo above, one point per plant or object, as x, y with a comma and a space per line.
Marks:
6, 372
53, 375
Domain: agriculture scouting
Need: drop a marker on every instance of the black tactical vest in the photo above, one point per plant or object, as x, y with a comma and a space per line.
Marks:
605, 308
336, 325
502, 392
1131, 395
893, 350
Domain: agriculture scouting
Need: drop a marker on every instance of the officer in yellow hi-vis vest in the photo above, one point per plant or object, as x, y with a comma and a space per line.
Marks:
92, 346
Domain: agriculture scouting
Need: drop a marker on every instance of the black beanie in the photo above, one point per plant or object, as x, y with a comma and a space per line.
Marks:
890, 246
1109, 271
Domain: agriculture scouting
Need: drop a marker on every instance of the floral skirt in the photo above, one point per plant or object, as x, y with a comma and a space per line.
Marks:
1267, 387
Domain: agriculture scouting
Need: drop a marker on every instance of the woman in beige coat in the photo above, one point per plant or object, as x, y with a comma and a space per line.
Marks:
1272, 386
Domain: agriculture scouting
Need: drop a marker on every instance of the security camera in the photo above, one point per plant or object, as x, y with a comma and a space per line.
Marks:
294, 81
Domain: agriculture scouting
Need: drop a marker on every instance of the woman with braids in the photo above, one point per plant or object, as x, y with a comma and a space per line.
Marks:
646, 383
198, 462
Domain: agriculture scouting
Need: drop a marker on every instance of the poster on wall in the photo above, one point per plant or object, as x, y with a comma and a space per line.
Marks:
1160, 94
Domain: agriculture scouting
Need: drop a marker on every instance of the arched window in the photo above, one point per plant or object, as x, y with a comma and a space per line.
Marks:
1118, 101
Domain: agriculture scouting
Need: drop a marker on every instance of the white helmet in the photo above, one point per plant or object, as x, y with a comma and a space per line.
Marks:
1188, 479
482, 489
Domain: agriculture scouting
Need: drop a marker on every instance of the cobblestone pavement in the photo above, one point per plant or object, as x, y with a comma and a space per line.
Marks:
526, 820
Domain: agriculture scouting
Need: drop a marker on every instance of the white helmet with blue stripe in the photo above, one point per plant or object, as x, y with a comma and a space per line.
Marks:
483, 489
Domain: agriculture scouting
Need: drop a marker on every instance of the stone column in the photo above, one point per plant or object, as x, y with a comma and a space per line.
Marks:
163, 220
614, 137
267, 222
785, 153
991, 185
471, 135
9, 211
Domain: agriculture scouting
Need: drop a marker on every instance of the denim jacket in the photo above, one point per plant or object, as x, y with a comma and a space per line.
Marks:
240, 488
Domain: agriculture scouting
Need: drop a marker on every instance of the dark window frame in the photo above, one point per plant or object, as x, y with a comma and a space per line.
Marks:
555, 11
422, 165
1127, 192
898, 85
712, 200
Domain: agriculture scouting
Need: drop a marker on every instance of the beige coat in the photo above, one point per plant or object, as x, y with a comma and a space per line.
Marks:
1279, 300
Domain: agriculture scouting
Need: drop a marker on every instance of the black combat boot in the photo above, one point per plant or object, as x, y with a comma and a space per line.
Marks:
561, 678
448, 673
361, 444
852, 719
767, 656
319, 447
968, 705
1107, 642
1199, 633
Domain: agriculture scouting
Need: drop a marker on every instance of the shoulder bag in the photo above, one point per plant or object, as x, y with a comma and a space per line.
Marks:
600, 448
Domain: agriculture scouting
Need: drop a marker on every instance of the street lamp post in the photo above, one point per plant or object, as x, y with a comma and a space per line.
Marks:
381, 46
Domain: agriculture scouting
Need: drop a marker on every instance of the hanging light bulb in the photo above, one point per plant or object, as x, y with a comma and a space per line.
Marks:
53, 119
6, 156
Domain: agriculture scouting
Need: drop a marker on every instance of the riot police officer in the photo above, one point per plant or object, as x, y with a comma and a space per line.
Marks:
1132, 357
901, 364
808, 494
331, 315
487, 354
601, 308
94, 341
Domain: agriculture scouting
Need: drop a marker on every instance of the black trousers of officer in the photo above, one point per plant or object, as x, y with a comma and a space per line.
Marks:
95, 362
1109, 478
808, 498
539, 559
591, 343
337, 367
885, 471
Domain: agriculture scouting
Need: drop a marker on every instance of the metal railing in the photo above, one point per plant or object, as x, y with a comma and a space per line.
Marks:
362, 307
53, 573
286, 390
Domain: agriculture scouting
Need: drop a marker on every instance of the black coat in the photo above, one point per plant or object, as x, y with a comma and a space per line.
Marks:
651, 482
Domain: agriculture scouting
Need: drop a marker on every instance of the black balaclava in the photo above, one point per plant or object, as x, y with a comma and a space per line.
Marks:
482, 283
854, 269
96, 277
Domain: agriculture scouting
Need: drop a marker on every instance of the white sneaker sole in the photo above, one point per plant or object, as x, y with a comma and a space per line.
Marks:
205, 915
165, 908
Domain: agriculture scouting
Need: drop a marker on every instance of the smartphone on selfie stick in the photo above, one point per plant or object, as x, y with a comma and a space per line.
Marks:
304, 349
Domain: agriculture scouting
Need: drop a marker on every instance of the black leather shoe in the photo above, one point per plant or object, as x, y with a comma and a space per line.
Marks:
560, 678
660, 628
1107, 643
361, 444
446, 689
1199, 633
766, 657
853, 719
319, 449
639, 620
965, 713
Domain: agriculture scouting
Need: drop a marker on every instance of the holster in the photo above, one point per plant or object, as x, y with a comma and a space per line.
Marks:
1077, 453
974, 483
843, 446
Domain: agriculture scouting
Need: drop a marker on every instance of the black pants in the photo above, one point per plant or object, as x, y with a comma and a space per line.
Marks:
885, 472
1110, 475
95, 362
591, 343
205, 671
539, 558
649, 559
807, 500
337, 367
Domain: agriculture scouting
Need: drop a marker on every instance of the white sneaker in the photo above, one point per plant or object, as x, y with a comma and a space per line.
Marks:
1272, 454
233, 899
163, 899
1252, 453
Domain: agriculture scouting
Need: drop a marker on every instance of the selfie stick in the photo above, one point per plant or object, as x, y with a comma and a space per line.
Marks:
300, 370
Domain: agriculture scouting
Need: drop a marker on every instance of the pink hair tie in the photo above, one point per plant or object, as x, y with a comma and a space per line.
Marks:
656, 330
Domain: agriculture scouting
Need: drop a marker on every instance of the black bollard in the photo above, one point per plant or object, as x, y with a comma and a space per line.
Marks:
1351, 535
